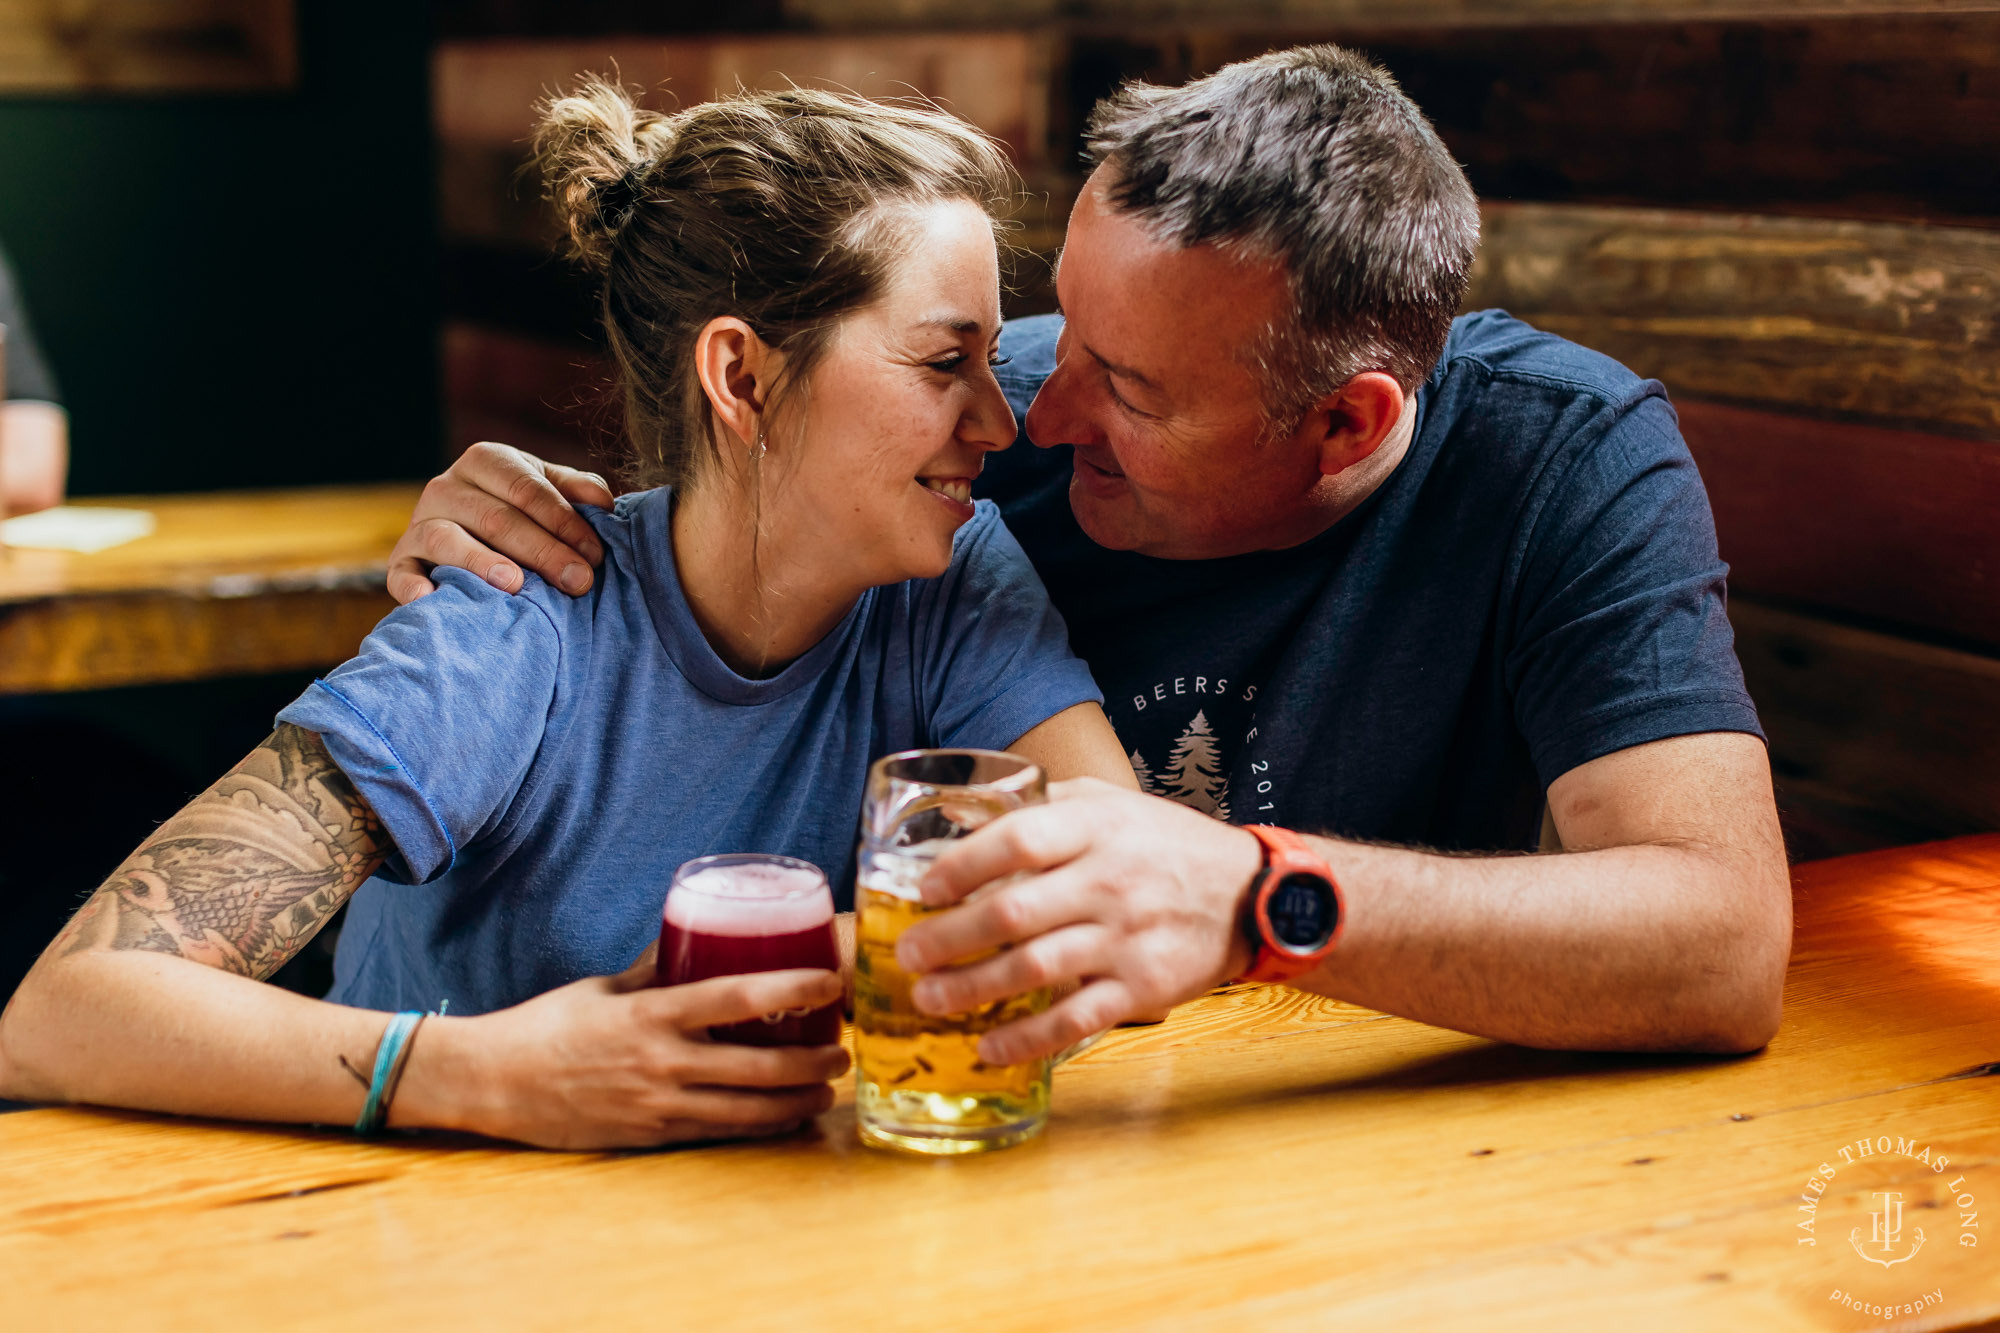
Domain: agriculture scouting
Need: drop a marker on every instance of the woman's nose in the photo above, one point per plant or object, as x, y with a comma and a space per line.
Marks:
989, 422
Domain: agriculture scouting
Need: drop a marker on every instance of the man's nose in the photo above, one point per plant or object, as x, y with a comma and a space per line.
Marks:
1058, 415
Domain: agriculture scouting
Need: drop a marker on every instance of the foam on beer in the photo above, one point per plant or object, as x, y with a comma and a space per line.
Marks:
750, 900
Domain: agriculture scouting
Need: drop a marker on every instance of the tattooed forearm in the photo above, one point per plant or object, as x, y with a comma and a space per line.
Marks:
248, 872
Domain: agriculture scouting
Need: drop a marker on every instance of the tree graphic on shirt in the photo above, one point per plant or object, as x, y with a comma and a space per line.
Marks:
1144, 772
1194, 771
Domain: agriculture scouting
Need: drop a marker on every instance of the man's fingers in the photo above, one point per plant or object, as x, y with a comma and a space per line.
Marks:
1047, 960
738, 999
1102, 1004
1007, 915
1037, 838
406, 579
532, 493
580, 487
536, 489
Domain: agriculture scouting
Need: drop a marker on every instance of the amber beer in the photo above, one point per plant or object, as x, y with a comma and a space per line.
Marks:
920, 1085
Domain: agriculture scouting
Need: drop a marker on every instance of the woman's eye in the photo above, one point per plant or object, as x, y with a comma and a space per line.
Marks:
948, 364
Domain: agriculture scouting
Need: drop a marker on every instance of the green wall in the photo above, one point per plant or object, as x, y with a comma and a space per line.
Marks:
242, 290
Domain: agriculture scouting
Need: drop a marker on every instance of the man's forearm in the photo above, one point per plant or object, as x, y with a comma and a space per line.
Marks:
1649, 947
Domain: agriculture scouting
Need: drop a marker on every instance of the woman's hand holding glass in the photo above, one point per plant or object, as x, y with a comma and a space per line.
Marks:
616, 1062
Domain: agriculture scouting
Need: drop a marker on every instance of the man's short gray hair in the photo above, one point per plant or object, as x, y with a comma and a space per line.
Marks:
1314, 157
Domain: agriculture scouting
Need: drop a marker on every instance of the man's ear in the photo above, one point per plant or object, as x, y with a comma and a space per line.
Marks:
736, 368
1350, 424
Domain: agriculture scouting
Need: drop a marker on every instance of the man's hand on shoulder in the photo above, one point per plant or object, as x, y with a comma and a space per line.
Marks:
1134, 895
494, 511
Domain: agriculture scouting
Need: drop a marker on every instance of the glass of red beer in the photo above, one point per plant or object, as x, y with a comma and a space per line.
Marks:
746, 912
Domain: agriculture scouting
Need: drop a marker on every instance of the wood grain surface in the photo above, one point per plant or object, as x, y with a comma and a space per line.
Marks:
63, 48
227, 584
1264, 1159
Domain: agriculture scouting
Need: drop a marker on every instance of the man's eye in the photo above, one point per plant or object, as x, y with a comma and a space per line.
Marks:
1119, 399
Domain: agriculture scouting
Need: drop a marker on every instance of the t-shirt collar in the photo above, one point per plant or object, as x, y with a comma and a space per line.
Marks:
681, 636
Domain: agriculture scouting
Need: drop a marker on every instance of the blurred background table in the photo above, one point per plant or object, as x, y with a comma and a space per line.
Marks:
228, 584
1265, 1159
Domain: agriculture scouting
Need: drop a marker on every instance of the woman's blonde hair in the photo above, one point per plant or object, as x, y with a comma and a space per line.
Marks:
780, 208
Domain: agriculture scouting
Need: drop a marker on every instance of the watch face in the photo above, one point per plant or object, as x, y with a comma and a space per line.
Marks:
1301, 912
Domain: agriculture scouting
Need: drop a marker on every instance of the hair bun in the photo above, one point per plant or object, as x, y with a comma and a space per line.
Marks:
593, 147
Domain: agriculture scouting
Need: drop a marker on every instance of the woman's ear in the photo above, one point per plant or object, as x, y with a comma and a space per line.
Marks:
736, 369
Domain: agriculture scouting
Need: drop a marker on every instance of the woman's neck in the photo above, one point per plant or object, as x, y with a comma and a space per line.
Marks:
761, 600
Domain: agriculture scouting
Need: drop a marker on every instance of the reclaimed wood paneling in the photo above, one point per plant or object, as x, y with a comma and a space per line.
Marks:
146, 46
485, 91
557, 400
1895, 527
1893, 323
1891, 739
839, 15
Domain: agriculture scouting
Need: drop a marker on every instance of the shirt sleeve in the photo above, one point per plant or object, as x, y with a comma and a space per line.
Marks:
1621, 632
438, 717
995, 653
28, 374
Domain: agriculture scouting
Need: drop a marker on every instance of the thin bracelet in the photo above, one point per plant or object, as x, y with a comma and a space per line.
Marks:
389, 1057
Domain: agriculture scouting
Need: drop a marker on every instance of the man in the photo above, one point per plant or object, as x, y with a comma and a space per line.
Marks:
1345, 566
34, 429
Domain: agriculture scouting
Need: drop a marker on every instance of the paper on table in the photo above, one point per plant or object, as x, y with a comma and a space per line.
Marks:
76, 528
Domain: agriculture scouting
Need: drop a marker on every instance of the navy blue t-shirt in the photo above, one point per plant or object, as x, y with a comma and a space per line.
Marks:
1535, 586
543, 762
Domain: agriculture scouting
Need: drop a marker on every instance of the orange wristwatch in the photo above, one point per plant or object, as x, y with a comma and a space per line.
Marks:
1294, 913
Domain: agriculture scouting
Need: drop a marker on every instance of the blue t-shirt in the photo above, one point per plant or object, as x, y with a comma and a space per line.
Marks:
543, 763
1536, 585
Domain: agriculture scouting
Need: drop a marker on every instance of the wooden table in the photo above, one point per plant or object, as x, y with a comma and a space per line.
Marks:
228, 584
1265, 1159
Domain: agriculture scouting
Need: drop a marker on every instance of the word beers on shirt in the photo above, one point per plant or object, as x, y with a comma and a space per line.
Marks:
919, 1082
739, 913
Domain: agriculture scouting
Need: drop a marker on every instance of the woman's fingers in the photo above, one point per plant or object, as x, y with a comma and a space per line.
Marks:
743, 1108
738, 999
724, 1065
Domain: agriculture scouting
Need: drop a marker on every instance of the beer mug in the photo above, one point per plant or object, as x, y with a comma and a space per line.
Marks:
745, 912
920, 1085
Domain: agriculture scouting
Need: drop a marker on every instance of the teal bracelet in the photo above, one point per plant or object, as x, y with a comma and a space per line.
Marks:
388, 1064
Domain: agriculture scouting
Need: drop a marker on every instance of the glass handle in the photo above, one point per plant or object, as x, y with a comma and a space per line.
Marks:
1075, 1049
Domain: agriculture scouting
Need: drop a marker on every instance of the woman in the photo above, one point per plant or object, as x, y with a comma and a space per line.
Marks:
801, 292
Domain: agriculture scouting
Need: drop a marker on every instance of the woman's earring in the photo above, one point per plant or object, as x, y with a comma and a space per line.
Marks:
758, 450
